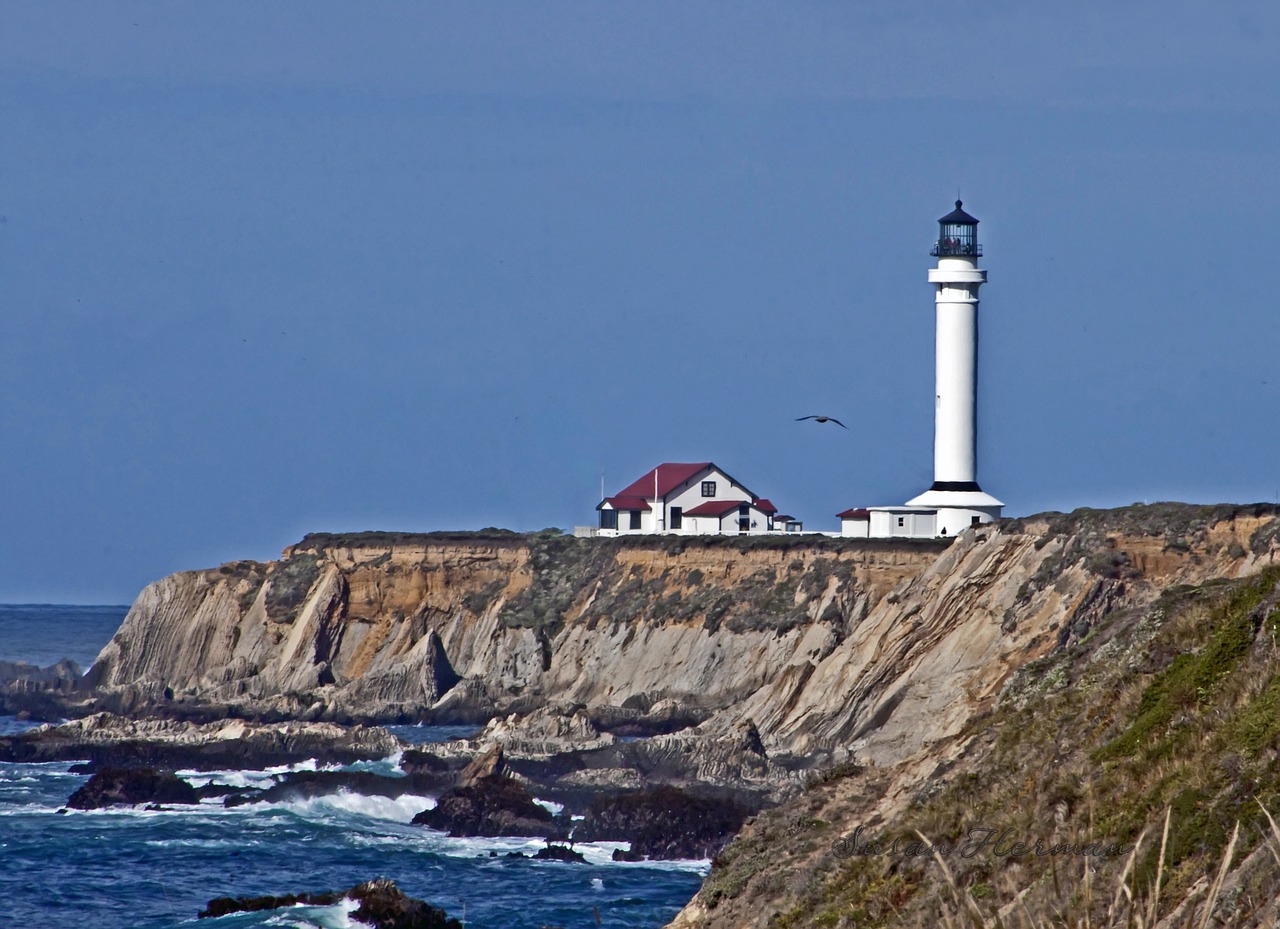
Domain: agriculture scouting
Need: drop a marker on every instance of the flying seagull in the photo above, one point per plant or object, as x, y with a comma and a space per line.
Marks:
822, 419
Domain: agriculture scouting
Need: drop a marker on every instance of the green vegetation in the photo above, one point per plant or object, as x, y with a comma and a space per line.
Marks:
1192, 679
1265, 537
557, 564
477, 601
324, 541
1172, 521
288, 585
1175, 709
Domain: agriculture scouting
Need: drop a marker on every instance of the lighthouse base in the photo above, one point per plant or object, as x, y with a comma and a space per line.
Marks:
958, 510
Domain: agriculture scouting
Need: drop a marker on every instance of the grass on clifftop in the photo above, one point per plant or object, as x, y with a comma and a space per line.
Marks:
1180, 524
1178, 712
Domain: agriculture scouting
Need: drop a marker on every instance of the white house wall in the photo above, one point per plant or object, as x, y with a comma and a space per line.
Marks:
884, 524
724, 525
691, 496
955, 520
855, 528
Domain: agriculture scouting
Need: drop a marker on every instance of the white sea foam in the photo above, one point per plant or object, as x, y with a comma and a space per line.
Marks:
393, 760
601, 853
259, 778
237, 843
399, 809
555, 809
302, 916
197, 810
18, 779
43, 769
27, 809
478, 847
595, 853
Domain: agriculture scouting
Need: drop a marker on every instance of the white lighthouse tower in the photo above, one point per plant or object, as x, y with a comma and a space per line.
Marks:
955, 494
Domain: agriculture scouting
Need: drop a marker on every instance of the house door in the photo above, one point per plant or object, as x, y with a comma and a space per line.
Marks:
677, 517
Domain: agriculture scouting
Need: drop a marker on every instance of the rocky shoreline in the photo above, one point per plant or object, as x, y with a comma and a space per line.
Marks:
106, 739
479, 793
380, 904
664, 692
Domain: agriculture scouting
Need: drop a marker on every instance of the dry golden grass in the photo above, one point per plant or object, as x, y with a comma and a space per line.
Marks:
1127, 909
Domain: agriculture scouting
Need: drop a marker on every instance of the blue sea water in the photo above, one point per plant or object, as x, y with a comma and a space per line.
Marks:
42, 634
119, 868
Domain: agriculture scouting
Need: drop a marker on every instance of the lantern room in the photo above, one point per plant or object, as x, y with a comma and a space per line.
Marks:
957, 235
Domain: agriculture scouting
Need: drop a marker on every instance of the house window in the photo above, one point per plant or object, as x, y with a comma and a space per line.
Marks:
708, 488
677, 517
744, 509
635, 519
608, 519
973, 520
902, 520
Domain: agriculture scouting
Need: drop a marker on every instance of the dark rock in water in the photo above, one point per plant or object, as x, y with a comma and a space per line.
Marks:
560, 853
113, 741
382, 905
490, 806
621, 855
550, 853
132, 786
490, 764
303, 785
416, 760
663, 823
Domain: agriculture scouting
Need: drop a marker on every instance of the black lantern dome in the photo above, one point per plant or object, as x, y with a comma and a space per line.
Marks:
957, 235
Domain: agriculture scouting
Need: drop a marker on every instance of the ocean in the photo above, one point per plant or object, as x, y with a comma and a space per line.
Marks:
118, 868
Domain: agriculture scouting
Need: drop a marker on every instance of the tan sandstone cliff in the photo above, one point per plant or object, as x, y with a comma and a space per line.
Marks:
1003, 675
386, 627
863, 650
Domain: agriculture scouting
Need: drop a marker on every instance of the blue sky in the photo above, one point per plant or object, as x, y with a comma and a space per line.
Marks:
268, 269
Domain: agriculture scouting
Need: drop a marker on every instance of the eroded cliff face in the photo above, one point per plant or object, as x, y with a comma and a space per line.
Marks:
1063, 681
386, 627
839, 649
1033, 674
939, 648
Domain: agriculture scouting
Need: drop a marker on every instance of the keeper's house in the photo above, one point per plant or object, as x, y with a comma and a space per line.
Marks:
690, 499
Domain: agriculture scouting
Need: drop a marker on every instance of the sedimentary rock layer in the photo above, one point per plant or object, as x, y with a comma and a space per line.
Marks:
834, 648
384, 627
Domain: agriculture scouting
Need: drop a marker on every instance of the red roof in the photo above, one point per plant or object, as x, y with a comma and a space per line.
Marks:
670, 475
622, 502
860, 513
765, 506
714, 507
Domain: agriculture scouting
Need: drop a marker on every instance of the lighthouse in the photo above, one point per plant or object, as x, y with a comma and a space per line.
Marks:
955, 494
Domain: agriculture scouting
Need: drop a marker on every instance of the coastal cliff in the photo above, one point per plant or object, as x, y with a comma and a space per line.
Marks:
463, 627
847, 649
1118, 769
1061, 679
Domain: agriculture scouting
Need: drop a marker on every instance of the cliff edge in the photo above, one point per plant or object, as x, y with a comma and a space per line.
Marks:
845, 649
1063, 678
